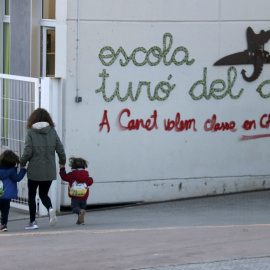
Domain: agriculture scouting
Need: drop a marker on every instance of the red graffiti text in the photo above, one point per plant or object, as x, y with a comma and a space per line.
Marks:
104, 121
135, 124
265, 121
248, 125
178, 124
212, 125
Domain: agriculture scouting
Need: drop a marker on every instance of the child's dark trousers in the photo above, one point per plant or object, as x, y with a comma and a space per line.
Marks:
77, 205
4, 207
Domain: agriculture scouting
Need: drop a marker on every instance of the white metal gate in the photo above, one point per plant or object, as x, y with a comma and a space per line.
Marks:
19, 97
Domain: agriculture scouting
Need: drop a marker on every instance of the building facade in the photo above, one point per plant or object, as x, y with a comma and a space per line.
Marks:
165, 99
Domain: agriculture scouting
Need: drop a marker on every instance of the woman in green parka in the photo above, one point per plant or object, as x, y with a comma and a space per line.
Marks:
41, 143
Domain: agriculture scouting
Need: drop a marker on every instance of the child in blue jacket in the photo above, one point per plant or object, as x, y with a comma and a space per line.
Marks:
9, 177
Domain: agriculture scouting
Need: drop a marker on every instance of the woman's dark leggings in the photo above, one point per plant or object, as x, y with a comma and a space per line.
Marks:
44, 187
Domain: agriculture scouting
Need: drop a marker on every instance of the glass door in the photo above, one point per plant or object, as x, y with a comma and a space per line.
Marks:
48, 52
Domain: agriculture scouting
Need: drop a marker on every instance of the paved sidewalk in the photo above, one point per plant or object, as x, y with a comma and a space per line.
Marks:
230, 232
241, 264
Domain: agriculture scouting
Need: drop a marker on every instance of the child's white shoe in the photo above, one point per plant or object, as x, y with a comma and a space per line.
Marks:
53, 218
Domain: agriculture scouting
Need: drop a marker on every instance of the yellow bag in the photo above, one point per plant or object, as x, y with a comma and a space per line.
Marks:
78, 189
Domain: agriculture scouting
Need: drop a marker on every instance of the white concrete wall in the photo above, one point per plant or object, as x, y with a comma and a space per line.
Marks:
141, 165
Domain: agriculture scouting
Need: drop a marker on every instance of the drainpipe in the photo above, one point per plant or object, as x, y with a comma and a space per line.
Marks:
78, 98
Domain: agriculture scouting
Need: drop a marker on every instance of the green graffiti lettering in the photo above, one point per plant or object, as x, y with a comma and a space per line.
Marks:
157, 53
108, 56
167, 49
231, 83
259, 89
164, 87
140, 49
127, 59
213, 87
203, 83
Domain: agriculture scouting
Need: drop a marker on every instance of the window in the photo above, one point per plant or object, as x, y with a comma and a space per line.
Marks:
7, 7
48, 9
48, 39
49, 35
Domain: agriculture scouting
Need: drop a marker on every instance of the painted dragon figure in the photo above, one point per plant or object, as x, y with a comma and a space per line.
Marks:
255, 54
